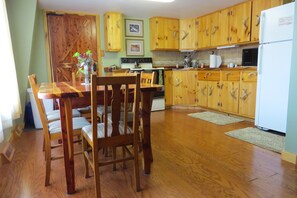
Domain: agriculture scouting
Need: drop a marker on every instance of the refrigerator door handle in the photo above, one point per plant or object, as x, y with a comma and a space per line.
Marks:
260, 60
262, 22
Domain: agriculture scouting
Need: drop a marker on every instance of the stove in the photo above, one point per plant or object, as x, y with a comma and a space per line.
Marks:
146, 65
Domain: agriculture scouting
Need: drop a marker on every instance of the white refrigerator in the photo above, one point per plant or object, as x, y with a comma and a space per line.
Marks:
274, 63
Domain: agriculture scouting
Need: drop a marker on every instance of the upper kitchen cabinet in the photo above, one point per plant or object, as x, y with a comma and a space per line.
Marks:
204, 28
164, 33
188, 34
258, 6
209, 30
238, 20
113, 31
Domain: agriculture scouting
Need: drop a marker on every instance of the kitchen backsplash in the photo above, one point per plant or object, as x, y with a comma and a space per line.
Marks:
230, 55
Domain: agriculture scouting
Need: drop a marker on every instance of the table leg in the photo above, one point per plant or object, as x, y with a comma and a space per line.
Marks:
146, 106
67, 139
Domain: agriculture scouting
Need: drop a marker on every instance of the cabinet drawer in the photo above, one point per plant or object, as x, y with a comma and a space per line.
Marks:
213, 76
249, 76
202, 75
230, 75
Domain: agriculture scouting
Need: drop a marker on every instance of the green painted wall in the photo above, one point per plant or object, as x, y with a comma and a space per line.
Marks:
111, 58
21, 16
38, 54
291, 136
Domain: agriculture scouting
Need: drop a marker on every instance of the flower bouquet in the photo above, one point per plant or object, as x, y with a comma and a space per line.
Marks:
85, 64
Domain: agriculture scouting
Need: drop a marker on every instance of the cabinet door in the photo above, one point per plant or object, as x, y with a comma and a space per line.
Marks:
215, 29
247, 94
258, 6
188, 86
203, 27
201, 93
177, 87
113, 31
213, 100
171, 32
224, 27
230, 96
157, 33
188, 34
168, 83
240, 23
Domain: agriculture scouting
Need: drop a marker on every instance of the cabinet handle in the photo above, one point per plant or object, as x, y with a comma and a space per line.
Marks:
185, 35
245, 94
203, 90
215, 28
251, 74
210, 91
232, 93
258, 20
206, 32
178, 82
245, 25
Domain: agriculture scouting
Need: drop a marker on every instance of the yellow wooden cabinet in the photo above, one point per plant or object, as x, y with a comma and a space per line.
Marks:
113, 31
236, 24
247, 94
184, 87
213, 85
168, 83
207, 89
188, 34
209, 29
258, 6
164, 33
230, 91
204, 28
177, 87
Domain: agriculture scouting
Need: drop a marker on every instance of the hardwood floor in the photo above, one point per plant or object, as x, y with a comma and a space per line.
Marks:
192, 158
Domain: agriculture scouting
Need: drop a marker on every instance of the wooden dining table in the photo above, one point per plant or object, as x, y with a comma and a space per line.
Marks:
74, 95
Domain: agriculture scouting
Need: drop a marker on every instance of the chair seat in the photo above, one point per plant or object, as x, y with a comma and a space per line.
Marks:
129, 117
100, 130
55, 115
100, 109
77, 123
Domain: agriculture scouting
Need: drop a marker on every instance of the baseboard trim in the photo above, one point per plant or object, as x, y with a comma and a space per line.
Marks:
289, 157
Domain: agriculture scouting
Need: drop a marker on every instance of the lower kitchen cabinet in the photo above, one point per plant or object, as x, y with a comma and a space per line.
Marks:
201, 93
168, 83
184, 89
226, 90
247, 95
230, 91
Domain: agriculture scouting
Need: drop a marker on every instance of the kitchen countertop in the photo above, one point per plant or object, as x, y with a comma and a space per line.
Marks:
224, 68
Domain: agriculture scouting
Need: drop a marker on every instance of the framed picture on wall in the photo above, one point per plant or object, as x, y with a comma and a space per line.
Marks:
134, 27
134, 47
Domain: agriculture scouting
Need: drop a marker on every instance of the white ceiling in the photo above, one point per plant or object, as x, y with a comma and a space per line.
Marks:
140, 8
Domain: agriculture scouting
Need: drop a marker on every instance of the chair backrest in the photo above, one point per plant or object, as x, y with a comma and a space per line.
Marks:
121, 87
39, 104
147, 78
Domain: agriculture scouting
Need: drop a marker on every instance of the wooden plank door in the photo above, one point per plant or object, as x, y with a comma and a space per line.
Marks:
67, 34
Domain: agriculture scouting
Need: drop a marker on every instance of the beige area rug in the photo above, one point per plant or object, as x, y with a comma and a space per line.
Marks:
260, 138
215, 118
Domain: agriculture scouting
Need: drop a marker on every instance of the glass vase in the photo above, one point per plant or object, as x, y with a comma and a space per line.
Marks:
87, 74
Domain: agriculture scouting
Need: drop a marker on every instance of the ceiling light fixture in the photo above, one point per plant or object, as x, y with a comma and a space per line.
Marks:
162, 1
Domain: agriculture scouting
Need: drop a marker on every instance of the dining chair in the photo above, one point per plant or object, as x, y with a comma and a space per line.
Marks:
146, 78
112, 133
100, 108
52, 130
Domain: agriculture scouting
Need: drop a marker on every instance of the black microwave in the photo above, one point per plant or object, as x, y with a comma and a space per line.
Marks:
250, 57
